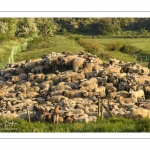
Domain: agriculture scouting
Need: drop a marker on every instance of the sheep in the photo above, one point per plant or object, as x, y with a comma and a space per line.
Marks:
101, 80
10, 107
58, 92
88, 82
114, 62
125, 94
68, 61
57, 98
144, 113
110, 70
74, 93
113, 79
112, 94
49, 76
73, 85
146, 89
137, 94
20, 69
92, 86
78, 64
9, 116
121, 99
22, 76
88, 68
39, 113
109, 86
91, 74
27, 95
7, 76
75, 77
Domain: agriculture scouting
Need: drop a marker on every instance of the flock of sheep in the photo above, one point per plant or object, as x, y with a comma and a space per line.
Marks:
65, 87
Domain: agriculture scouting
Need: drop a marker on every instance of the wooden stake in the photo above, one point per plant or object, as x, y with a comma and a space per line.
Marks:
107, 109
99, 107
102, 116
28, 113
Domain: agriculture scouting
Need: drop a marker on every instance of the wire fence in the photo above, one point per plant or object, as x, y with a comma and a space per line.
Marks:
17, 49
142, 58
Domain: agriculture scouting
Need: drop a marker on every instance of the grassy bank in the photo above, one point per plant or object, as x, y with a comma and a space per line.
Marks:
59, 43
106, 125
6, 47
100, 44
45, 45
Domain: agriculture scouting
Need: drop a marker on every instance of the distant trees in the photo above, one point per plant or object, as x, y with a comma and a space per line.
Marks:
24, 27
46, 26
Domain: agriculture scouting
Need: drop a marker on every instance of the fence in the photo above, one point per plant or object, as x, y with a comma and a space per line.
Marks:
18, 49
142, 57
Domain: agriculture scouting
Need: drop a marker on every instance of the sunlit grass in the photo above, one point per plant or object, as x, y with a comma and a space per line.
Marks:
58, 44
115, 124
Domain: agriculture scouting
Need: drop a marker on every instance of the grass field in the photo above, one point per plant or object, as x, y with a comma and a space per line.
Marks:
106, 125
140, 43
60, 43
6, 47
45, 46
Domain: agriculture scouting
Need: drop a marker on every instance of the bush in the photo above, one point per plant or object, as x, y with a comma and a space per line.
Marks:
106, 55
90, 47
128, 49
113, 46
37, 43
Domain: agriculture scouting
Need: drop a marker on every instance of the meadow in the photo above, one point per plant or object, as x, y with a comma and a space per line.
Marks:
115, 124
59, 43
141, 43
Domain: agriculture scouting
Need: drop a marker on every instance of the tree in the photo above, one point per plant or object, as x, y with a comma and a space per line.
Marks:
46, 26
103, 26
26, 27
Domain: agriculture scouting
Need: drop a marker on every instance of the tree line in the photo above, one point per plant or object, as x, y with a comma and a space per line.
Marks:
26, 27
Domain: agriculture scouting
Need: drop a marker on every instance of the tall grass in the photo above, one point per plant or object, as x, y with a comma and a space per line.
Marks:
117, 124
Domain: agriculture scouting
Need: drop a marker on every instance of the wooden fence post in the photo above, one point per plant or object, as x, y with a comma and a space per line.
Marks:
28, 113
98, 106
102, 109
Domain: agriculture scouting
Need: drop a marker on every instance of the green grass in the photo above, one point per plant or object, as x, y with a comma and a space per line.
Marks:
140, 43
41, 46
59, 43
106, 125
6, 47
